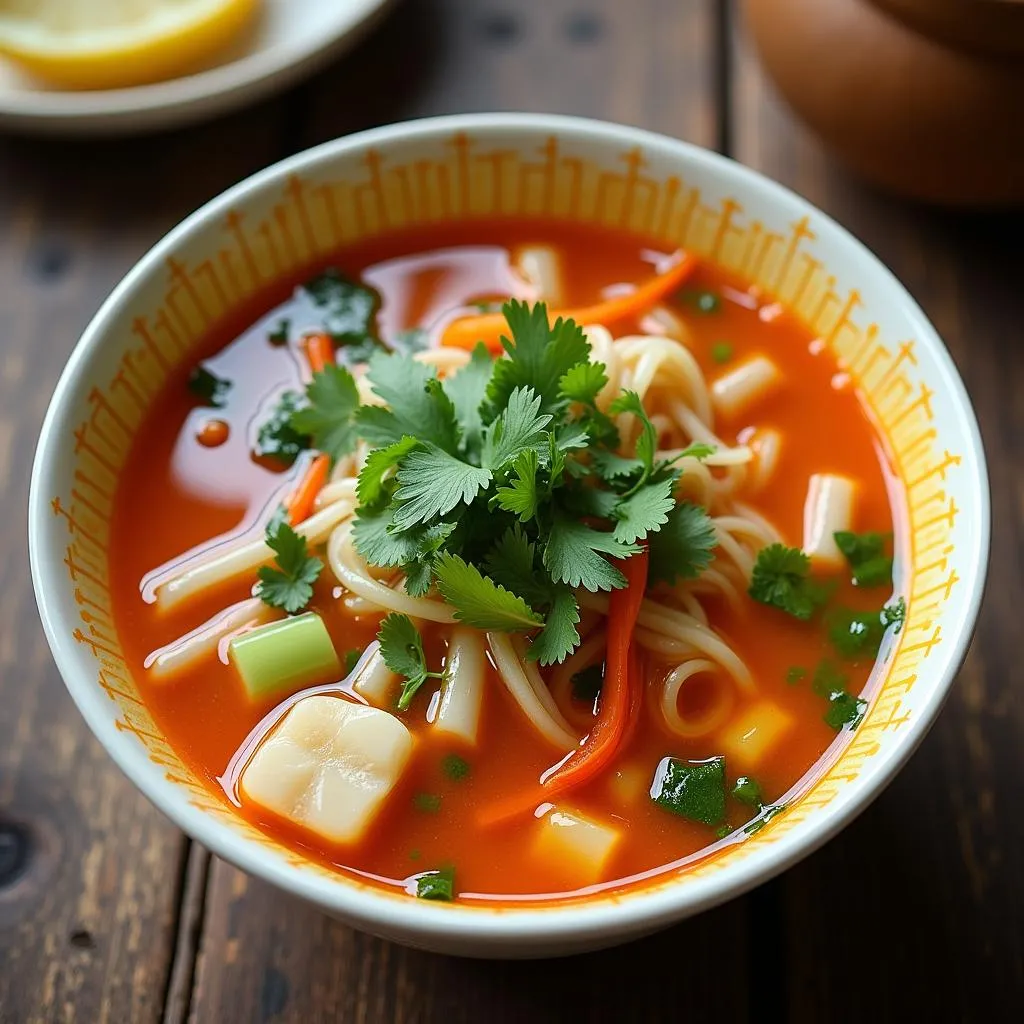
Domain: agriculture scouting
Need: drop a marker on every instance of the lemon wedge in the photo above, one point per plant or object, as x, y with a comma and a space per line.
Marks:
109, 44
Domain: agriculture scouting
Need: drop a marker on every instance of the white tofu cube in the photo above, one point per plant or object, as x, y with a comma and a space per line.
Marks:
578, 846
328, 766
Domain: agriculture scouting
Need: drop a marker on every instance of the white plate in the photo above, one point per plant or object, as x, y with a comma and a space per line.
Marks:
291, 39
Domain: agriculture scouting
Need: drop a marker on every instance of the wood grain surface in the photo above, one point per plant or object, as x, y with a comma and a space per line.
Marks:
107, 913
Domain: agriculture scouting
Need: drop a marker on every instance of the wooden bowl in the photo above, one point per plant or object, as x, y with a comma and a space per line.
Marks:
903, 109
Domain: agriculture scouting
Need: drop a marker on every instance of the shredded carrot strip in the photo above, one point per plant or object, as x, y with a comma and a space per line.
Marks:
617, 707
319, 351
300, 501
467, 331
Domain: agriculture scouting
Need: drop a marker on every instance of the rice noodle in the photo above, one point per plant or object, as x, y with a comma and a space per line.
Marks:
694, 727
540, 710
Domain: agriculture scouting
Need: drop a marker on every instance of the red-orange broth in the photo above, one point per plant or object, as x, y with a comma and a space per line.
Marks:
188, 482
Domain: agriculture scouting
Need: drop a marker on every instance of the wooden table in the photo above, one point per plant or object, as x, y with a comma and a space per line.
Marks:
109, 913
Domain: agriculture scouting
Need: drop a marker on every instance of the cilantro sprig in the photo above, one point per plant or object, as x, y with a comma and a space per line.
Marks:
503, 487
288, 584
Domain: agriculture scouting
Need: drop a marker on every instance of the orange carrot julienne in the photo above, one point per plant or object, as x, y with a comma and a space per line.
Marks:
467, 331
300, 501
319, 351
617, 707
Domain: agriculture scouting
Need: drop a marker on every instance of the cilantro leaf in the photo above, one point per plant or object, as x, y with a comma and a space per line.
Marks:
511, 562
894, 614
855, 635
681, 549
289, 585
781, 579
611, 467
417, 404
589, 500
467, 390
436, 885
571, 435
401, 647
348, 311
208, 387
478, 600
844, 709
370, 487
583, 382
419, 574
431, 482
277, 438
328, 419
539, 355
691, 789
559, 637
865, 553
380, 545
645, 510
415, 339
519, 427
573, 555
520, 494
647, 441
419, 571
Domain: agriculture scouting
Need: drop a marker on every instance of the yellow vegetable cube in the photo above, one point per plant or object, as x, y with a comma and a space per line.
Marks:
576, 844
748, 739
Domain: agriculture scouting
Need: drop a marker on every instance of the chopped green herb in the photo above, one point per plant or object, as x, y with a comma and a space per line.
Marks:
332, 398
415, 855
721, 352
865, 553
703, 301
781, 579
348, 312
277, 437
279, 335
855, 635
795, 673
208, 387
586, 684
436, 885
722, 831
843, 708
747, 791
401, 647
289, 584
894, 614
455, 767
351, 659
681, 549
427, 803
691, 789
766, 815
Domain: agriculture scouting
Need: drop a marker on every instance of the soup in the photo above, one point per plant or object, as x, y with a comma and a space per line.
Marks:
519, 619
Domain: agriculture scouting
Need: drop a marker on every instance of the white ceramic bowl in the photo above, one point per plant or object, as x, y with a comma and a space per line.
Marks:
296, 213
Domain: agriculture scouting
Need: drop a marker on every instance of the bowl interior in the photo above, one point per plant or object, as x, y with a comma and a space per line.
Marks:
300, 212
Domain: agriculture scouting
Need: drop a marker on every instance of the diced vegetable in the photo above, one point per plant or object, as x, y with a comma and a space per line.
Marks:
828, 510
691, 789
376, 682
462, 686
329, 766
575, 846
278, 658
436, 885
749, 382
751, 736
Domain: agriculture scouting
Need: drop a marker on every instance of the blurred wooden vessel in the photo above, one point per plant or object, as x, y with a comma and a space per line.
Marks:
922, 97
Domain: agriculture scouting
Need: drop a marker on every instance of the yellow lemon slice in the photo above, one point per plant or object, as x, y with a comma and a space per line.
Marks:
108, 44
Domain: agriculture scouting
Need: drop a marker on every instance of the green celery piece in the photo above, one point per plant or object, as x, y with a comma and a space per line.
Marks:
691, 789
277, 659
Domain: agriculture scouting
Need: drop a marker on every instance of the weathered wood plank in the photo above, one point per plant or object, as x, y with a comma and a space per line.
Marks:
916, 911
89, 871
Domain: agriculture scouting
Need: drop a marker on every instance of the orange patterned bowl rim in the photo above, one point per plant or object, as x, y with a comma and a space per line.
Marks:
297, 213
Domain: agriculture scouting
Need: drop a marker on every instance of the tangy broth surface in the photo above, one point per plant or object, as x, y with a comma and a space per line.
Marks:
176, 494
